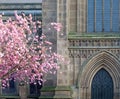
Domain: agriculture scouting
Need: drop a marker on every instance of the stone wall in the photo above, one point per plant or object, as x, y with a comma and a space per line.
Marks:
49, 15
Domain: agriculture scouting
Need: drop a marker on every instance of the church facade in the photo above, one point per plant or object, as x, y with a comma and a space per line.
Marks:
89, 42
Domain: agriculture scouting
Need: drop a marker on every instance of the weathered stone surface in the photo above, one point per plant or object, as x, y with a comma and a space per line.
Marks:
86, 52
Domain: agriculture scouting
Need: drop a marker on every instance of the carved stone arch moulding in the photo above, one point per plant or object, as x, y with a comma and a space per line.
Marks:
103, 60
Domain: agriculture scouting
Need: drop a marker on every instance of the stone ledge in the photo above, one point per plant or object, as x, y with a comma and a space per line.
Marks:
94, 47
57, 88
58, 92
9, 96
14, 6
32, 96
111, 35
55, 97
62, 97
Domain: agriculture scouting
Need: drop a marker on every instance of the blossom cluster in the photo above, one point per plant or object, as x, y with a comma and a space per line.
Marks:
24, 50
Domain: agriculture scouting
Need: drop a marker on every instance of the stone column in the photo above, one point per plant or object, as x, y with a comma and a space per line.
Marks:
23, 90
73, 16
49, 13
63, 78
76, 69
62, 42
81, 16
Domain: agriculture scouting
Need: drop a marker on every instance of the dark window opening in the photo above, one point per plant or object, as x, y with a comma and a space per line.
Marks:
35, 88
11, 88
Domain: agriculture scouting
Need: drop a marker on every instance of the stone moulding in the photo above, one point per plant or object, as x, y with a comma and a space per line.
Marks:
14, 6
101, 60
9, 96
73, 35
58, 92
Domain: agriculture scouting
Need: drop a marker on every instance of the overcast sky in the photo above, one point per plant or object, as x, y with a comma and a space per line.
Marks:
20, 1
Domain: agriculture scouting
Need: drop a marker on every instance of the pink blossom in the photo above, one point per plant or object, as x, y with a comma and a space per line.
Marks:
20, 56
57, 26
47, 42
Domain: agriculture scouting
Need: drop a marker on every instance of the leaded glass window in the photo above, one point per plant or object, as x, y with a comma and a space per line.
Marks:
91, 15
103, 16
98, 14
115, 15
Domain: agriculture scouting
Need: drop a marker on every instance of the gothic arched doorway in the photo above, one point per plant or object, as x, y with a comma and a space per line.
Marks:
102, 85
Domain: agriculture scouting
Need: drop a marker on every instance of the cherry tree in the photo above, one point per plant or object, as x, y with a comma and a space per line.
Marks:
24, 50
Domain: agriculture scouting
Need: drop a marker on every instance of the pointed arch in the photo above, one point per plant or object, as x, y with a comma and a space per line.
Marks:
102, 85
101, 60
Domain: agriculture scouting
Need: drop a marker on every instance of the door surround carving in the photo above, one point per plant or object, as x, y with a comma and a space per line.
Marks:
101, 60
